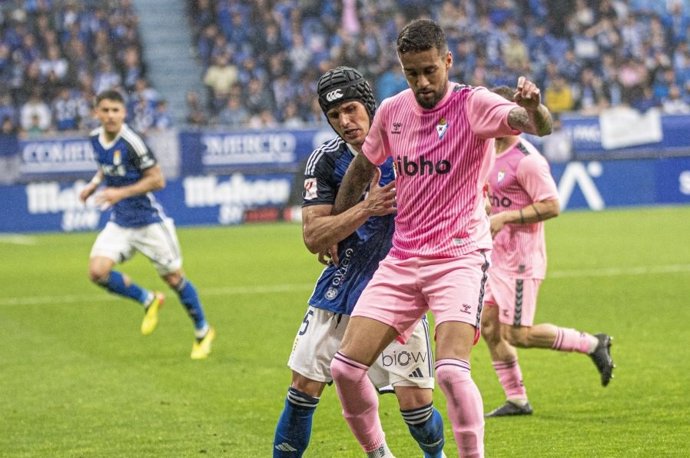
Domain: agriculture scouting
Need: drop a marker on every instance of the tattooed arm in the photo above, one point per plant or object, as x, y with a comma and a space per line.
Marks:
358, 175
531, 117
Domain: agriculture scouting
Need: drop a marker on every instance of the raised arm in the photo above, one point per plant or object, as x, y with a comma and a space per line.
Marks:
531, 117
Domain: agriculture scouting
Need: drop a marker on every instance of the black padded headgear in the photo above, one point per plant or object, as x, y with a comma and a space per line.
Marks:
345, 83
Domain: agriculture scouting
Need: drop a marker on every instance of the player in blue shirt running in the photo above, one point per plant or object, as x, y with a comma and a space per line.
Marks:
129, 172
363, 237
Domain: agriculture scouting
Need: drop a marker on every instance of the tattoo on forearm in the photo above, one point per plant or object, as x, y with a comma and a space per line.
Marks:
537, 122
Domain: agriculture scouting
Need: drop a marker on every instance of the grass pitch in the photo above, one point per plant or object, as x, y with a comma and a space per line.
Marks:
78, 380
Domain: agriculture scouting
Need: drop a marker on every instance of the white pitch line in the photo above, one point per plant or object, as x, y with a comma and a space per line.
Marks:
245, 290
17, 239
222, 291
615, 271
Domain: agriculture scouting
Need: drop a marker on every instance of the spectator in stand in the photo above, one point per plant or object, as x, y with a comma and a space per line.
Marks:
291, 118
162, 120
234, 115
663, 80
258, 97
592, 96
196, 114
263, 120
632, 76
645, 101
283, 89
140, 113
515, 53
673, 103
54, 66
205, 43
133, 69
8, 111
558, 96
66, 110
299, 54
105, 77
219, 78
35, 113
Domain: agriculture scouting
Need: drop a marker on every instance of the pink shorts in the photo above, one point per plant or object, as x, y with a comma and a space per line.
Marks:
516, 298
403, 290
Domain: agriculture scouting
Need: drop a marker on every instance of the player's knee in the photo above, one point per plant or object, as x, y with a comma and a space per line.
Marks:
413, 397
491, 333
306, 385
342, 372
98, 275
173, 279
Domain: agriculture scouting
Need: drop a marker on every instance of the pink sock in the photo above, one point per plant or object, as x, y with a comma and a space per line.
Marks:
465, 408
360, 403
571, 340
510, 377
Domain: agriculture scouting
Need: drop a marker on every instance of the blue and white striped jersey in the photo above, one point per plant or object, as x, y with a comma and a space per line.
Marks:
122, 163
339, 287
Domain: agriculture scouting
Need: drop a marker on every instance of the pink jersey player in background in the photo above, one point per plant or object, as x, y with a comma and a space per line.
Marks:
440, 136
523, 195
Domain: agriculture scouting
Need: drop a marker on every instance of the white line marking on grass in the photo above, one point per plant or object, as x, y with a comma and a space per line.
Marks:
272, 289
222, 291
615, 271
17, 239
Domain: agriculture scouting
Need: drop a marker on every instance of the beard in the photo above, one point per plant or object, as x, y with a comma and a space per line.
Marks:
428, 100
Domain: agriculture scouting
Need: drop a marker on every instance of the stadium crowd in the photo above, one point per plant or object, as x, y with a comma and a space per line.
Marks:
56, 55
263, 57
260, 59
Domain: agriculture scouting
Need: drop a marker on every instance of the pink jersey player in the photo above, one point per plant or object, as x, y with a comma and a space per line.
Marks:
442, 159
523, 195
519, 177
439, 135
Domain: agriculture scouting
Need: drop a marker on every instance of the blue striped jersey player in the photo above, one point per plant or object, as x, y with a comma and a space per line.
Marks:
129, 174
339, 286
353, 243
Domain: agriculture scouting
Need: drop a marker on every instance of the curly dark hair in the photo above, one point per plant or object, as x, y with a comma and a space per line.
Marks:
421, 35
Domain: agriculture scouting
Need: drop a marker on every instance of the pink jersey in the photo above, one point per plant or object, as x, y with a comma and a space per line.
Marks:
519, 177
442, 159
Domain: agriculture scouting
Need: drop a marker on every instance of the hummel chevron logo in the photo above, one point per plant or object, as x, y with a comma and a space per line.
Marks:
285, 447
417, 373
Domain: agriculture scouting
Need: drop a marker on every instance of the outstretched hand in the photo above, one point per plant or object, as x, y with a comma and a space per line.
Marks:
380, 200
527, 94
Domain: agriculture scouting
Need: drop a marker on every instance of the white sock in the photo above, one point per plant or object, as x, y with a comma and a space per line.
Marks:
520, 402
381, 452
593, 343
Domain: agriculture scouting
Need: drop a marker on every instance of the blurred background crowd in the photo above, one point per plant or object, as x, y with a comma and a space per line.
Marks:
258, 61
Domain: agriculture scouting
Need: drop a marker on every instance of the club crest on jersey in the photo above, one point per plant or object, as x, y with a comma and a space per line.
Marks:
441, 127
501, 176
117, 157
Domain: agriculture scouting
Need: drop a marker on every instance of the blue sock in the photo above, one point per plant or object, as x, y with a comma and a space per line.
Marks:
190, 299
426, 426
116, 284
294, 426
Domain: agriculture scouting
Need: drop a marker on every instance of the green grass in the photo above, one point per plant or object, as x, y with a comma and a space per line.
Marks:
77, 379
